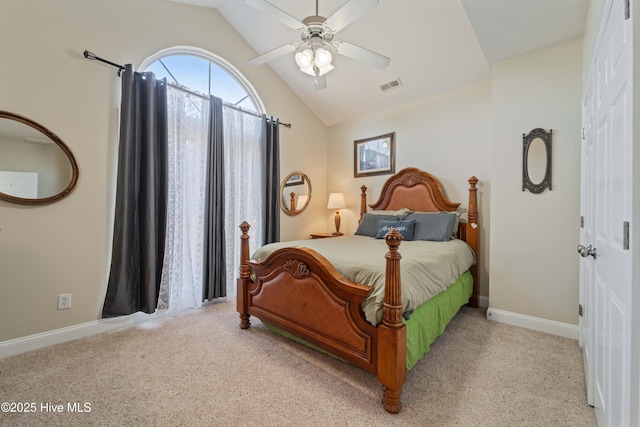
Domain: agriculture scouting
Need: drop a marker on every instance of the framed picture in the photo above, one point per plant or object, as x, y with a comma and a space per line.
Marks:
294, 180
375, 156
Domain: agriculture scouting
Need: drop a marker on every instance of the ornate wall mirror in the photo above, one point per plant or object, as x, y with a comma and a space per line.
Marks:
36, 167
536, 160
295, 193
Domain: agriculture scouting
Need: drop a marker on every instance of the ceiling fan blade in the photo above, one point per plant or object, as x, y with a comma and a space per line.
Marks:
348, 13
272, 54
361, 54
276, 13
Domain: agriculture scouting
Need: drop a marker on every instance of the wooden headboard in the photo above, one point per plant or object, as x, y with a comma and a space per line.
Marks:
419, 191
414, 189
422, 192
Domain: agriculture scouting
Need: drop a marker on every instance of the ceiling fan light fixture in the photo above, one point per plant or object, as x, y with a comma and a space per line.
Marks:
311, 70
316, 34
323, 58
304, 58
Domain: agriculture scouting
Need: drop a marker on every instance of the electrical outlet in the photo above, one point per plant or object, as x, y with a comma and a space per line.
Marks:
64, 301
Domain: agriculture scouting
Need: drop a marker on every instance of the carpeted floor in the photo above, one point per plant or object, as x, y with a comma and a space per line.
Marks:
200, 368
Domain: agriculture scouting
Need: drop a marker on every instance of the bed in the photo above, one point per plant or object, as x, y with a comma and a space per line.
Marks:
298, 292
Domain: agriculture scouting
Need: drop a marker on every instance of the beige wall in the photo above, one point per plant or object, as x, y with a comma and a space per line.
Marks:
534, 267
448, 135
64, 247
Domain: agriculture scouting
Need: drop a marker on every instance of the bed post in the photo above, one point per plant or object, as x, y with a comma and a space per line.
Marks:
392, 334
472, 237
245, 274
363, 202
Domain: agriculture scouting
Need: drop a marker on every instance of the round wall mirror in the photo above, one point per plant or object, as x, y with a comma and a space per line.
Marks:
36, 167
295, 193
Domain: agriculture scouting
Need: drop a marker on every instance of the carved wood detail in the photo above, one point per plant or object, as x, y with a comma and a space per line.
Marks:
297, 268
410, 180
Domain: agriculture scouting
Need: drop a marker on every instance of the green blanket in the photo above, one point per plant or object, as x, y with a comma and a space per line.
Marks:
429, 320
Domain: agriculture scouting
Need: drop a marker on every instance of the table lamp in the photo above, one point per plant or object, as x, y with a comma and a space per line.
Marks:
336, 201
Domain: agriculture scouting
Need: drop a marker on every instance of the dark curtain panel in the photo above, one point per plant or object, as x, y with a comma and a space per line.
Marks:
141, 197
214, 277
271, 182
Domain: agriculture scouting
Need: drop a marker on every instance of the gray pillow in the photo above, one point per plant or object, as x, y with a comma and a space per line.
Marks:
437, 227
405, 227
371, 223
399, 212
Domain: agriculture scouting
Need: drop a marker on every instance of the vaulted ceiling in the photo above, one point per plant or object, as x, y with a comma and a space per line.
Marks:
434, 45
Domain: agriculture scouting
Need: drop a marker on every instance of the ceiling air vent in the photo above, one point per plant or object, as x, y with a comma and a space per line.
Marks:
391, 85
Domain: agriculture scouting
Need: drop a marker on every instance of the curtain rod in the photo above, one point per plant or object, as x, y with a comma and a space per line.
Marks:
92, 56
287, 125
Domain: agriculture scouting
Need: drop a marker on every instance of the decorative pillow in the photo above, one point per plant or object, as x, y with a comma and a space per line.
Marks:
405, 227
399, 212
454, 234
434, 226
370, 224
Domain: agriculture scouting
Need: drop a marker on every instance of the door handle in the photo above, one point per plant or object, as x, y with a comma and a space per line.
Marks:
587, 251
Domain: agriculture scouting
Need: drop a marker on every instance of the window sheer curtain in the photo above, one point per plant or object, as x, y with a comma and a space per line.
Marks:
140, 208
243, 175
181, 286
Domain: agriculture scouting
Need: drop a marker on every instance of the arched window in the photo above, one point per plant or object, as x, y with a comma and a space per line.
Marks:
206, 73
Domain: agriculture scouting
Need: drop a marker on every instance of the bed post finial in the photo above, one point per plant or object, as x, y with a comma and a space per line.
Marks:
363, 202
245, 275
473, 200
392, 367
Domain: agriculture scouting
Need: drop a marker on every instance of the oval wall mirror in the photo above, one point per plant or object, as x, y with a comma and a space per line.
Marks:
295, 193
536, 161
36, 167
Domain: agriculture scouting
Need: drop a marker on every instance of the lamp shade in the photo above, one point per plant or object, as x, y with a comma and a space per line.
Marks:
302, 201
323, 58
304, 59
336, 201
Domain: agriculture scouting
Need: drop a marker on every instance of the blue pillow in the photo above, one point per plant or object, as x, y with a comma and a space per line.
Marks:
371, 223
436, 226
405, 227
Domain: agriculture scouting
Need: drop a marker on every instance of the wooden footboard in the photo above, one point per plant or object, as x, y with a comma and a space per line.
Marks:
299, 291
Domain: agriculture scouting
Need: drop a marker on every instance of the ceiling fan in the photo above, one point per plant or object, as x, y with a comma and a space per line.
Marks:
316, 39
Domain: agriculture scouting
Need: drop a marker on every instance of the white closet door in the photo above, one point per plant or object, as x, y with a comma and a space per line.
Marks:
587, 177
613, 189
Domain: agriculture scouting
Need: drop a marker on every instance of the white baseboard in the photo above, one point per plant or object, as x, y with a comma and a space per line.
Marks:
483, 301
537, 324
57, 336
